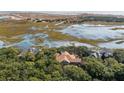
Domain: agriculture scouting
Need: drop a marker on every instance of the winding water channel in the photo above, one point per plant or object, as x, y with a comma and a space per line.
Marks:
87, 31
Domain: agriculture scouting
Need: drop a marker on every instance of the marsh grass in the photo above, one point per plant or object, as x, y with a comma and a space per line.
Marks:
11, 29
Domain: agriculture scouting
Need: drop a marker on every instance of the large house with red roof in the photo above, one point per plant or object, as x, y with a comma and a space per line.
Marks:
68, 58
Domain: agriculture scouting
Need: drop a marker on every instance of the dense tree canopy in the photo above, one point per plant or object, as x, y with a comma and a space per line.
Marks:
119, 55
76, 73
16, 65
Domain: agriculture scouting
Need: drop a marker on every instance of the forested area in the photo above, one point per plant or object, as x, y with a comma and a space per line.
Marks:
42, 66
103, 18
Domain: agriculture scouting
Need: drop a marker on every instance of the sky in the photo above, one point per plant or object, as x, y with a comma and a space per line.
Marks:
63, 5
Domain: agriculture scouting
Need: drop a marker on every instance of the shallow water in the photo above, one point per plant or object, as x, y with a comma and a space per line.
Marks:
96, 32
29, 41
63, 43
81, 31
112, 45
93, 31
1, 44
3, 17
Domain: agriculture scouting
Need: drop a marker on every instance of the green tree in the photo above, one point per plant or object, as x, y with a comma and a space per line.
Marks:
94, 67
119, 55
113, 64
76, 73
9, 53
30, 56
10, 71
120, 75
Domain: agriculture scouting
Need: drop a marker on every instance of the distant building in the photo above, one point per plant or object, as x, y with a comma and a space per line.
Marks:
103, 53
67, 58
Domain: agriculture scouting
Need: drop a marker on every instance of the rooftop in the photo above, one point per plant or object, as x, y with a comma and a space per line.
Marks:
65, 56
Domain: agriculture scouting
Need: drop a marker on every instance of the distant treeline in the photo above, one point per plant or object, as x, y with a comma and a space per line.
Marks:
81, 19
102, 18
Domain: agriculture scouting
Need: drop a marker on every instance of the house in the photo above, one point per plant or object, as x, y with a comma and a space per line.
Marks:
103, 53
96, 54
67, 58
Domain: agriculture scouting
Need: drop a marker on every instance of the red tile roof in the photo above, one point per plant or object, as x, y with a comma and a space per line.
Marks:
65, 56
